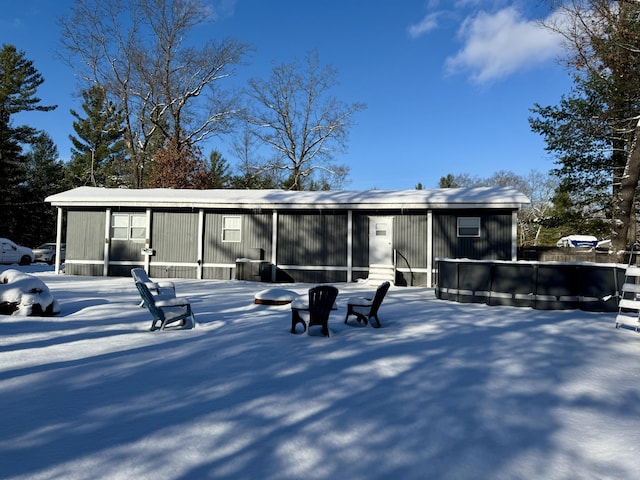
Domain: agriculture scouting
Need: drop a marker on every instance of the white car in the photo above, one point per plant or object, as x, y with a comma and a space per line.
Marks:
11, 252
47, 252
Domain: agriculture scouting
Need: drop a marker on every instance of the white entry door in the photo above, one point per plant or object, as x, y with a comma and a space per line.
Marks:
380, 240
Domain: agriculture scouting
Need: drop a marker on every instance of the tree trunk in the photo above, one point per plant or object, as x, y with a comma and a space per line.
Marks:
624, 208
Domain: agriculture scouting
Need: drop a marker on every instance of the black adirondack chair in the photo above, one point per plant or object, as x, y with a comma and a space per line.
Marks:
366, 309
321, 301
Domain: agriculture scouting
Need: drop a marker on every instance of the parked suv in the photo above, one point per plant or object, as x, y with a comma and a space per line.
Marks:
11, 252
47, 252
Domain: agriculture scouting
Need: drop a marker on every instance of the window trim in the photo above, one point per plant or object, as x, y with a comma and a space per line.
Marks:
130, 226
473, 223
231, 229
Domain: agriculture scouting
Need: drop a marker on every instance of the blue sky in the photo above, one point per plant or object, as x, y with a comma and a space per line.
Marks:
448, 84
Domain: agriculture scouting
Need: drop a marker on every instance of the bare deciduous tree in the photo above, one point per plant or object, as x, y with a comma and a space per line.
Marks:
539, 187
252, 171
293, 113
139, 52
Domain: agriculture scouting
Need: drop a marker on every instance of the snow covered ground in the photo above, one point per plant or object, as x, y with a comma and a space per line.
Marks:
442, 391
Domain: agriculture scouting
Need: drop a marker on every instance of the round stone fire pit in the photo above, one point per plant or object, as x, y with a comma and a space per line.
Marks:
274, 296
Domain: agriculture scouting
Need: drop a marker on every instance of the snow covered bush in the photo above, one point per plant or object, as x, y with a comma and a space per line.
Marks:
24, 294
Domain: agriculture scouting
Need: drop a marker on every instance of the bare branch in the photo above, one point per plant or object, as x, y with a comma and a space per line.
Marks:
294, 113
138, 50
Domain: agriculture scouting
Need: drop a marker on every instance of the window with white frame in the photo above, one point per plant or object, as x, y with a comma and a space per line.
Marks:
231, 229
128, 226
468, 226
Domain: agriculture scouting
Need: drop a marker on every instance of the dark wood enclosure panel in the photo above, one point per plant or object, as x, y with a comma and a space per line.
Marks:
312, 239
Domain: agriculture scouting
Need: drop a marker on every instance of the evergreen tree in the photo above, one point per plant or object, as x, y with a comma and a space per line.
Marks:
594, 131
45, 176
563, 218
448, 182
98, 153
220, 171
19, 81
252, 179
580, 136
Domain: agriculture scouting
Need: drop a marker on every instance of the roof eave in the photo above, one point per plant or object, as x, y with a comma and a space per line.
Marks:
288, 206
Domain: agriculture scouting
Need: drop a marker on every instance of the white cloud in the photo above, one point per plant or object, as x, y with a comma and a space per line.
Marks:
499, 44
428, 23
223, 9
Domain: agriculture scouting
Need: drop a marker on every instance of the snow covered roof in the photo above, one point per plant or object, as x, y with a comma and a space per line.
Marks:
477, 197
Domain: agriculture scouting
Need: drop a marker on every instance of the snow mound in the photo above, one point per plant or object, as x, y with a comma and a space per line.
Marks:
23, 294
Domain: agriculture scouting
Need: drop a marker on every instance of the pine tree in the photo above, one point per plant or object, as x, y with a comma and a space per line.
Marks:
220, 174
449, 181
98, 153
19, 81
45, 176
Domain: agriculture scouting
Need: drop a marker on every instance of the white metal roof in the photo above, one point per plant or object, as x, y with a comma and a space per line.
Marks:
477, 197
